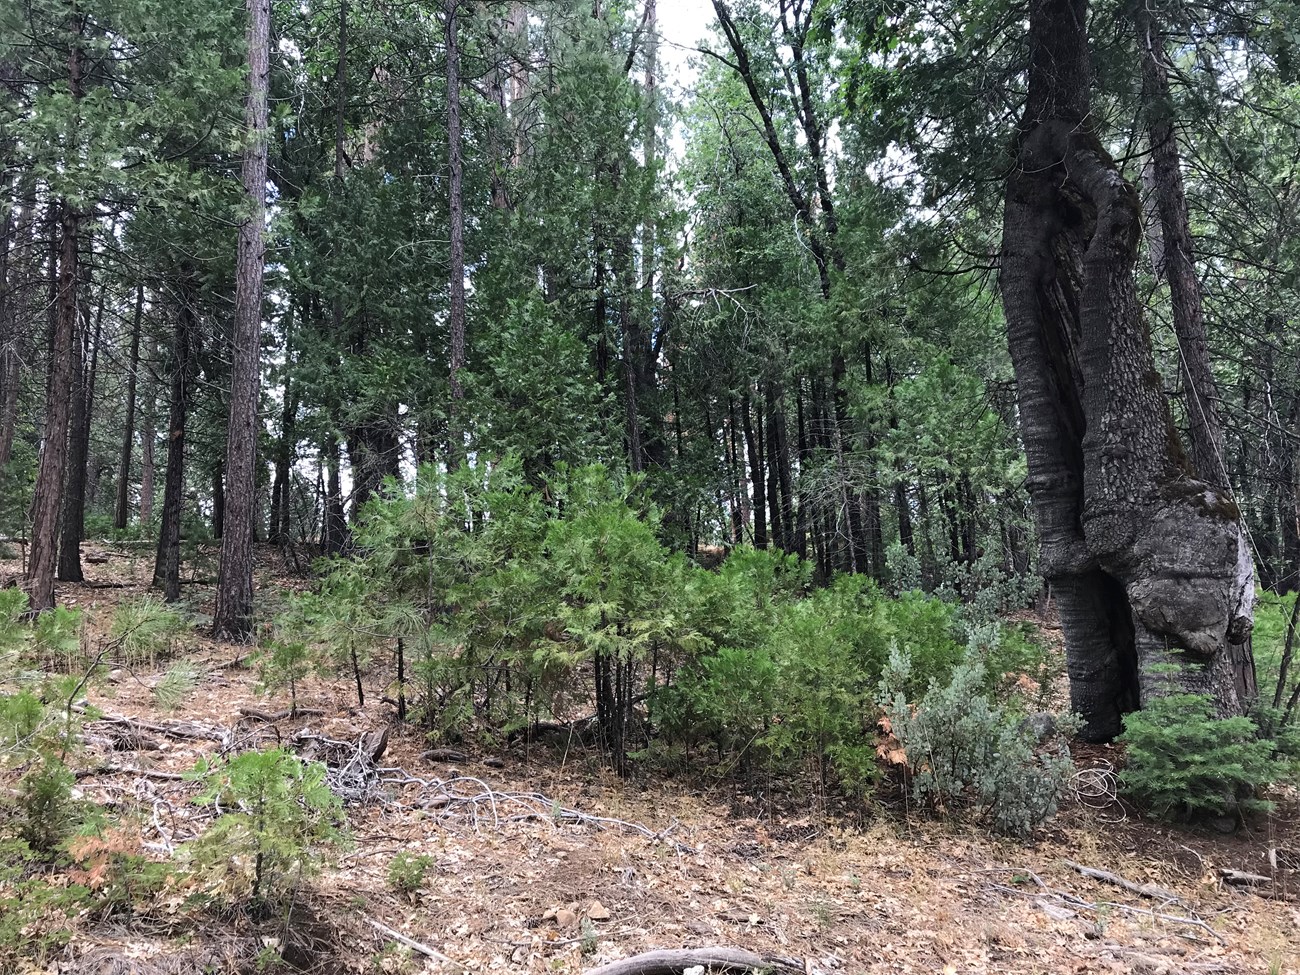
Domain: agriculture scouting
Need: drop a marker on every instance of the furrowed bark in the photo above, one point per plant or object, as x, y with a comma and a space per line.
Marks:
1148, 563
232, 617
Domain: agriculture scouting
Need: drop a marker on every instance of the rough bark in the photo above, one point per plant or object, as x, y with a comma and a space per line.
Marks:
232, 617
72, 527
1177, 259
48, 498
1143, 558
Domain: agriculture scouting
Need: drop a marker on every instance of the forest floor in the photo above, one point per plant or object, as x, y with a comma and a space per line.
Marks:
543, 862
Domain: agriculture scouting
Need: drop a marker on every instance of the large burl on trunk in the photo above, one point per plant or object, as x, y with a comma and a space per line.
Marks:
1147, 562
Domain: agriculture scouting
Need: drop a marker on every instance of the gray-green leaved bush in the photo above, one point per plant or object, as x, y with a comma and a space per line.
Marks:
963, 751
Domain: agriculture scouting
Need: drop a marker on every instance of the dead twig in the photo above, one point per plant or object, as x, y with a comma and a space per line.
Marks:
675, 960
411, 943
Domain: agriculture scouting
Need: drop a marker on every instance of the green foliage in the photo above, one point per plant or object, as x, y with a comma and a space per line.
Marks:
280, 814
146, 629
47, 811
17, 481
56, 638
176, 685
285, 662
964, 751
406, 873
1184, 762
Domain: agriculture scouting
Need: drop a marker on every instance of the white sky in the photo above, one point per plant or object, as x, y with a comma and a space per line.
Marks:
682, 25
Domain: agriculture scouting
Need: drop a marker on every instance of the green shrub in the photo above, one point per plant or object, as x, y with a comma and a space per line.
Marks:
1183, 761
286, 663
146, 629
48, 813
963, 751
176, 685
56, 639
281, 813
406, 873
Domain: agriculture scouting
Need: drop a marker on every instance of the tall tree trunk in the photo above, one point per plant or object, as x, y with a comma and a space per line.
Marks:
122, 511
805, 455
456, 218
767, 437
1142, 557
233, 616
334, 525
282, 487
148, 439
756, 474
1288, 504
1177, 258
9, 377
47, 502
167, 565
72, 527
218, 502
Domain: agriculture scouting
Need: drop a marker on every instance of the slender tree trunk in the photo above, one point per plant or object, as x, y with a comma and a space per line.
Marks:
334, 526
148, 438
167, 565
233, 616
218, 502
1178, 260
8, 321
282, 489
73, 524
756, 473
805, 455
456, 217
123, 509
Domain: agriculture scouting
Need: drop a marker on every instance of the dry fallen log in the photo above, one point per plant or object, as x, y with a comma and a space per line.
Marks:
269, 717
1242, 879
171, 729
1142, 890
444, 755
675, 960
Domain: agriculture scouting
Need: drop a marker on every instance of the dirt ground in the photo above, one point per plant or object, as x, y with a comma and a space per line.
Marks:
544, 863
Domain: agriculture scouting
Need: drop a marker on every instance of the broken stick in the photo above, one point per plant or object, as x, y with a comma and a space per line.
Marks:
674, 961
1142, 890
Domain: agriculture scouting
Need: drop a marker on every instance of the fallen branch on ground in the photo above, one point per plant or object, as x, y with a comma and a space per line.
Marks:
256, 714
1142, 890
1097, 907
172, 729
674, 961
411, 943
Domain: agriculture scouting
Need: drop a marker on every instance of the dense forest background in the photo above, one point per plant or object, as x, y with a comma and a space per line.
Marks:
822, 422
774, 295
499, 251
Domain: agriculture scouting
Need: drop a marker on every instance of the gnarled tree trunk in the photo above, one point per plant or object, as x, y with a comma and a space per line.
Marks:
1147, 562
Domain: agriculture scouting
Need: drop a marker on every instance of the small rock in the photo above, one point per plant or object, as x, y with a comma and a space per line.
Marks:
1041, 725
565, 918
597, 912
